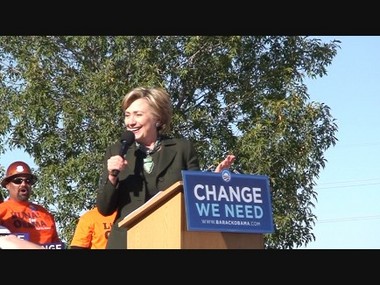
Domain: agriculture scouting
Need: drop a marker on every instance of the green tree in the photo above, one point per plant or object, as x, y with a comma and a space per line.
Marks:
61, 99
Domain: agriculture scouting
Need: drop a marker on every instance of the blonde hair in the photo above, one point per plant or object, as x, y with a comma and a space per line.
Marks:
159, 102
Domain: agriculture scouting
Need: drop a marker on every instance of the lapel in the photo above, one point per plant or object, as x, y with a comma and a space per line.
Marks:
168, 152
131, 158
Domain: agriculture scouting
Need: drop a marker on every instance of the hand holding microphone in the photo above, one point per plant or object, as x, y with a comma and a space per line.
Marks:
126, 140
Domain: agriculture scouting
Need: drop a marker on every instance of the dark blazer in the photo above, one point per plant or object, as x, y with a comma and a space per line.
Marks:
131, 190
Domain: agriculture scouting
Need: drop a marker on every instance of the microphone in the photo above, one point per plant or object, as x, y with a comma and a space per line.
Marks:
126, 140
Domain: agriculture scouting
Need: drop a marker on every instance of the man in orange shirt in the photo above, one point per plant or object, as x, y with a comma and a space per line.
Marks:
21, 216
92, 230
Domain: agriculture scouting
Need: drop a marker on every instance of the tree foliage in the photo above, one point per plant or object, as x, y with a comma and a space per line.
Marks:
61, 103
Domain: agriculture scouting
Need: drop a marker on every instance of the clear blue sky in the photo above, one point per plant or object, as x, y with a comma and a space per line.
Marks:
348, 206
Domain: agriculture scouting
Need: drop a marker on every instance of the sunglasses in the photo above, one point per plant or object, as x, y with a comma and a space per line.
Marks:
19, 180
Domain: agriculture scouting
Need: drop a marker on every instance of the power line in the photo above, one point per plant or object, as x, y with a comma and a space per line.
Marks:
354, 183
350, 219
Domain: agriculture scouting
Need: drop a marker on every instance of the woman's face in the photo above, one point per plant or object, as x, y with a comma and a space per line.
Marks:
140, 120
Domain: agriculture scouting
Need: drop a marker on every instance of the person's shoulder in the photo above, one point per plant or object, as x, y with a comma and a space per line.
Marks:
7, 204
114, 148
114, 145
38, 207
90, 213
174, 140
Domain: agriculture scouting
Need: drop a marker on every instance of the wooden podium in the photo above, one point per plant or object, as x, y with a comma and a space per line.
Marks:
161, 224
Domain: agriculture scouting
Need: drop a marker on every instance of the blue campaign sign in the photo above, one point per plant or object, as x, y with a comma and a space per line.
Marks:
55, 245
227, 202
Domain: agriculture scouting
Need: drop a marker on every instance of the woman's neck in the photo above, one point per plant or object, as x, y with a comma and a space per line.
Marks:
149, 148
